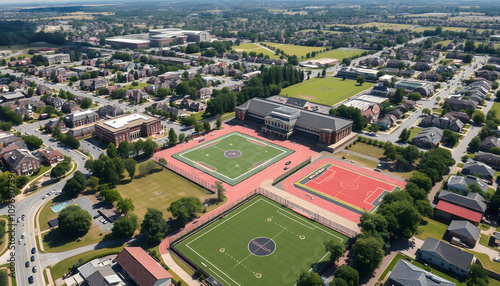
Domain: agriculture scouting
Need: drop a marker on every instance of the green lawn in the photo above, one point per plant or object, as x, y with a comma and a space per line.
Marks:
158, 190
339, 54
327, 91
251, 47
299, 51
250, 155
246, 46
431, 228
141, 85
382, 26
368, 150
223, 250
358, 160
413, 132
54, 241
35, 46
496, 106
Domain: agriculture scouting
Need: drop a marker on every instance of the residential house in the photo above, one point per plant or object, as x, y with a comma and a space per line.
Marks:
70, 107
407, 274
452, 206
463, 231
21, 161
81, 131
396, 113
204, 92
100, 271
164, 106
55, 101
136, 95
479, 169
49, 127
458, 115
488, 158
428, 138
448, 69
462, 183
43, 90
81, 118
449, 122
446, 256
109, 110
488, 143
51, 156
430, 76
421, 66
371, 114
460, 103
142, 269
386, 122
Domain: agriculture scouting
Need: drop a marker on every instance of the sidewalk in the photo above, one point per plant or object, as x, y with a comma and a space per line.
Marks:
179, 271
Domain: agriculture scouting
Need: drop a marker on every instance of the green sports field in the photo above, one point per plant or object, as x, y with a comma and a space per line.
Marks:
294, 244
233, 157
327, 91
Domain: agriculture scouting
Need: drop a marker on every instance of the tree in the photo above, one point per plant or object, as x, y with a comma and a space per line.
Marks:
31, 91
111, 151
400, 211
162, 92
125, 226
422, 181
123, 150
474, 144
76, 184
59, 170
185, 208
335, 248
154, 228
130, 166
110, 195
368, 254
32, 142
309, 278
149, 147
374, 128
207, 127
182, 137
360, 80
405, 135
218, 123
86, 103
352, 113
398, 95
221, 191
467, 59
92, 182
125, 205
338, 282
478, 276
426, 111
349, 274
414, 96
74, 221
56, 132
172, 137
478, 117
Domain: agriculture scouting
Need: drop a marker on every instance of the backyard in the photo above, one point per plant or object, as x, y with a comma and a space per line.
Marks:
327, 91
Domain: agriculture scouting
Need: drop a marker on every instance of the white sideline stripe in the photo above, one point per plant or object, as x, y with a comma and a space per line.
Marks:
181, 154
227, 219
373, 192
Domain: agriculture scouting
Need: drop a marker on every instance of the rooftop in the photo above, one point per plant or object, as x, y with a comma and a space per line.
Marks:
125, 120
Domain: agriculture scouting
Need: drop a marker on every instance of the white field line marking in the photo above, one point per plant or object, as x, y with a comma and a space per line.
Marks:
244, 174
373, 192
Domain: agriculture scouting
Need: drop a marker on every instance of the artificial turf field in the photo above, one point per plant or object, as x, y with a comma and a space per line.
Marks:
223, 248
233, 157
326, 91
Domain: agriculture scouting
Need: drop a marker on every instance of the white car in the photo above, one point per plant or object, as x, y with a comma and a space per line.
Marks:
44, 197
23, 235
105, 222
496, 259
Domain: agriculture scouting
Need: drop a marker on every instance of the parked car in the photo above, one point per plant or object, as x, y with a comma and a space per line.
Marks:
34, 269
18, 219
31, 280
23, 217
32, 258
33, 250
27, 264
496, 259
288, 162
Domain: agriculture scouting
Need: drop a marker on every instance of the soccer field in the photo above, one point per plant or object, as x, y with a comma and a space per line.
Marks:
259, 243
326, 91
233, 157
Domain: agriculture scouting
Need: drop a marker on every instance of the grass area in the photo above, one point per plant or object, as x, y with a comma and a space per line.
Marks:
368, 150
246, 46
327, 91
182, 265
4, 240
383, 26
228, 115
486, 261
358, 160
64, 266
158, 190
339, 54
55, 241
496, 106
323, 31
46, 214
35, 46
249, 156
226, 243
43, 169
488, 241
460, 165
431, 228
413, 132
484, 226
141, 85
299, 51
251, 47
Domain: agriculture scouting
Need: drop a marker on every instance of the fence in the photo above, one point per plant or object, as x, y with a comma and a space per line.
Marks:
291, 171
193, 175
313, 215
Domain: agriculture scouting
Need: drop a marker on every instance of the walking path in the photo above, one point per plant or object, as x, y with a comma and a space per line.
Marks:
169, 261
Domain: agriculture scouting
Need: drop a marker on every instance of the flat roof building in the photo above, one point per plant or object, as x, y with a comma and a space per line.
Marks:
57, 58
127, 128
354, 72
128, 43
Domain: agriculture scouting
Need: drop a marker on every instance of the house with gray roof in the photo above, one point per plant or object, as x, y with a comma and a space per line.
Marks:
488, 143
488, 158
407, 274
283, 121
472, 201
464, 231
428, 138
478, 169
109, 110
446, 256
461, 183
81, 118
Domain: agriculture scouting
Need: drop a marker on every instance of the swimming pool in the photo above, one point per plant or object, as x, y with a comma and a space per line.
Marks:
59, 207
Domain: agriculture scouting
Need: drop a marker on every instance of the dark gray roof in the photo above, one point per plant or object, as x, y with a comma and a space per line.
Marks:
307, 118
453, 255
297, 102
464, 228
81, 131
431, 134
479, 168
472, 201
466, 181
407, 274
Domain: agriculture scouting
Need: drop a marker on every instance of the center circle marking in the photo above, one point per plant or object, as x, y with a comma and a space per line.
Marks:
232, 154
261, 246
349, 185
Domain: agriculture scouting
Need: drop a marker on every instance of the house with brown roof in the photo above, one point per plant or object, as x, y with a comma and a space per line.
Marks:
142, 269
51, 156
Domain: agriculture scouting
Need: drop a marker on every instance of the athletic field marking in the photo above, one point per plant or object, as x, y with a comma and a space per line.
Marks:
283, 151
325, 179
374, 192
234, 215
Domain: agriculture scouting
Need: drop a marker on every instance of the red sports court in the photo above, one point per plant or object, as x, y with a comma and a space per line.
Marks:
344, 187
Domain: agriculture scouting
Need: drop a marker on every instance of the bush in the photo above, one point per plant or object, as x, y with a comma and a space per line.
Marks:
464, 158
354, 143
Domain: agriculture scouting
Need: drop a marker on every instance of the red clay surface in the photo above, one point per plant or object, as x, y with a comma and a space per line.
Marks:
355, 185
240, 190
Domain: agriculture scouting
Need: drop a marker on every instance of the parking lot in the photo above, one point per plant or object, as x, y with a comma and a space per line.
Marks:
92, 208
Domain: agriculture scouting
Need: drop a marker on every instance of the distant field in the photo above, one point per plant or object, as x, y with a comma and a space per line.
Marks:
324, 31
446, 42
455, 29
327, 91
383, 26
246, 46
251, 47
339, 54
34, 45
299, 51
